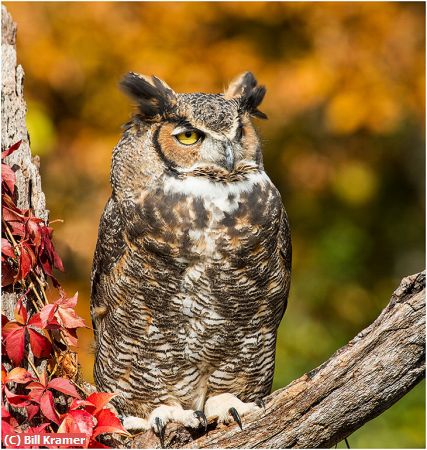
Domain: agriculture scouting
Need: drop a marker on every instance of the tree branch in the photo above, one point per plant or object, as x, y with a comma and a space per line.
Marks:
360, 381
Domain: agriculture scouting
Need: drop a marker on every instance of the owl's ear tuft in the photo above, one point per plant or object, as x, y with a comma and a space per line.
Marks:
246, 89
154, 97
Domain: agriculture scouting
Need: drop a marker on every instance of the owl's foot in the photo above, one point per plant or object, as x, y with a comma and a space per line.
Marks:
227, 407
132, 423
163, 414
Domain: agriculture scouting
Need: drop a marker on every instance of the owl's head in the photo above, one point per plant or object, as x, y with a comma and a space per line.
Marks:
209, 133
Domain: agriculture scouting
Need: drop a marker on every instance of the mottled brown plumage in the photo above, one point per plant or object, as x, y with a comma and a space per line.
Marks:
192, 266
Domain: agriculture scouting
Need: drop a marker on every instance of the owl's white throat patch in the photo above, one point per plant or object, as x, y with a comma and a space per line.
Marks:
207, 189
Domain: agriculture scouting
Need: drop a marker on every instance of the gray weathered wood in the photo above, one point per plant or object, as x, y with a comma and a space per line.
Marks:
13, 125
361, 380
13, 129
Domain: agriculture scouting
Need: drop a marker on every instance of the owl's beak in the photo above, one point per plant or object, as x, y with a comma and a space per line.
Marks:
229, 157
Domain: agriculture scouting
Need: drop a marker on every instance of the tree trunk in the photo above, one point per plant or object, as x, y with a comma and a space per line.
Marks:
13, 129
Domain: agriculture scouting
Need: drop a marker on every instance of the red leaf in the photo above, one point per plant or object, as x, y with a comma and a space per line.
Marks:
43, 378
36, 391
66, 314
17, 228
15, 342
69, 318
27, 260
36, 385
70, 336
47, 407
20, 312
34, 230
8, 177
99, 400
6, 429
40, 345
77, 421
57, 261
9, 427
35, 321
7, 274
11, 149
39, 429
3, 374
70, 302
63, 385
4, 320
7, 248
32, 410
13, 216
47, 315
5, 414
18, 375
46, 264
107, 418
16, 400
108, 423
9, 328
47, 254
10, 211
68, 424
84, 404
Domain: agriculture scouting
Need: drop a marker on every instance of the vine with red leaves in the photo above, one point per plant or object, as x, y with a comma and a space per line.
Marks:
41, 401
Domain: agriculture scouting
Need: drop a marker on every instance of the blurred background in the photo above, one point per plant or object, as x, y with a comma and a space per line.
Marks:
344, 144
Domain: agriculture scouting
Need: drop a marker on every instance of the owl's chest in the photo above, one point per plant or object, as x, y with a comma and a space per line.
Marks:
208, 228
202, 248
200, 219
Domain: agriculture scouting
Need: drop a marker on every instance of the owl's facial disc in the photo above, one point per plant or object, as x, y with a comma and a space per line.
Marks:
229, 157
185, 147
191, 136
220, 152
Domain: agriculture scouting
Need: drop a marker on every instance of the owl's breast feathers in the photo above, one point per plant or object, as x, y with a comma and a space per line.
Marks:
199, 271
229, 241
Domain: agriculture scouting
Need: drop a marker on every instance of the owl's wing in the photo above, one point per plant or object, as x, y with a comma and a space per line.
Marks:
285, 253
285, 245
110, 247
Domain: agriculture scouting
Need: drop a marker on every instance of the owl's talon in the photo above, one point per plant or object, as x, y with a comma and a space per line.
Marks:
236, 416
227, 407
160, 430
202, 419
260, 403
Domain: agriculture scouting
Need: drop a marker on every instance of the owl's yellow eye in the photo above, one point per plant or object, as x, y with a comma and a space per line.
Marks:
188, 137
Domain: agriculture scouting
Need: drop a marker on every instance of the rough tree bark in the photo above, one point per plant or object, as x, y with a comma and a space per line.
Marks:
13, 129
380, 365
360, 381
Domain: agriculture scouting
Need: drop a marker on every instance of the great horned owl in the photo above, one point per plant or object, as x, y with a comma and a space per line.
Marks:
192, 265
